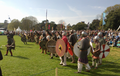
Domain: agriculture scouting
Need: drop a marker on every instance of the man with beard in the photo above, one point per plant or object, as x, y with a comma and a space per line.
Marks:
63, 58
72, 40
82, 59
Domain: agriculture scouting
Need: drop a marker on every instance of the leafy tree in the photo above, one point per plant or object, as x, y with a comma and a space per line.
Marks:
95, 24
14, 24
69, 27
79, 26
113, 19
28, 23
107, 11
52, 25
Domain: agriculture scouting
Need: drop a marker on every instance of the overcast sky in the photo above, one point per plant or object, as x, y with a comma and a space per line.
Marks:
71, 11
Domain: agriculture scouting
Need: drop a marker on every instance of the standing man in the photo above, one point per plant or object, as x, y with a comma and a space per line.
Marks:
82, 59
10, 45
101, 41
72, 40
53, 37
63, 58
96, 52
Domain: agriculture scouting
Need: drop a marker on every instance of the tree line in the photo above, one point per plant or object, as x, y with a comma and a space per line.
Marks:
112, 20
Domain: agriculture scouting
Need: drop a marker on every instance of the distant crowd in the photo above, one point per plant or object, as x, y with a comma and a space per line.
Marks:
112, 38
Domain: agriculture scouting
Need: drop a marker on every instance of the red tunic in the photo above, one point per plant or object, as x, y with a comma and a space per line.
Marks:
64, 38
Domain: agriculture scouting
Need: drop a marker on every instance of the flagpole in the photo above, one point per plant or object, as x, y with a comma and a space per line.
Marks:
46, 20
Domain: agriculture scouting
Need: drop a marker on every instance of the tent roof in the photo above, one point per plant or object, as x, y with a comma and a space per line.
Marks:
18, 29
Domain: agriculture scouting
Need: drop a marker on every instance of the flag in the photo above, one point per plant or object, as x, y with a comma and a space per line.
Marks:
9, 18
49, 27
103, 18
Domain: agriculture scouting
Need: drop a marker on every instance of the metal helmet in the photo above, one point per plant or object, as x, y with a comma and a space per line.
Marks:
53, 31
43, 31
84, 34
63, 33
71, 31
100, 34
96, 38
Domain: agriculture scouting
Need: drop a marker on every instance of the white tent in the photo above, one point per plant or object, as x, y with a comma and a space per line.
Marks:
18, 29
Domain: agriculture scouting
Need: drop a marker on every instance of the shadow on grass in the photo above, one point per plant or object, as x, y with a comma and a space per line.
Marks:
1, 48
72, 66
20, 57
28, 44
109, 66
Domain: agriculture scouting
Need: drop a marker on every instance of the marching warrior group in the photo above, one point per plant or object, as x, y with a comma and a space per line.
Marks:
71, 37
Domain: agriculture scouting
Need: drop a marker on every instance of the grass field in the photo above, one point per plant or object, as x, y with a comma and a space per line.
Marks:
27, 60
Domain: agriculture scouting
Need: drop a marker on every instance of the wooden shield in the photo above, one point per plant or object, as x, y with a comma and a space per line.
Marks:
60, 47
105, 49
77, 50
69, 49
51, 46
43, 44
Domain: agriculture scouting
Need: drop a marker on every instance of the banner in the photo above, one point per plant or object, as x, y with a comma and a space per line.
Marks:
103, 18
49, 27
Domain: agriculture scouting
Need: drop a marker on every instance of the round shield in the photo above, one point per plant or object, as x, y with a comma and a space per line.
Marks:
105, 49
77, 50
51, 46
69, 49
43, 44
60, 47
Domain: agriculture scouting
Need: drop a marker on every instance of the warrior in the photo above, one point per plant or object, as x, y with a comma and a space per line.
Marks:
53, 37
59, 36
63, 58
101, 41
43, 38
32, 37
1, 57
23, 39
72, 40
96, 52
68, 55
11, 36
82, 59
10, 45
36, 37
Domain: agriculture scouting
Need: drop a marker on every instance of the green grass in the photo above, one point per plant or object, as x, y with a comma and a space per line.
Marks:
27, 60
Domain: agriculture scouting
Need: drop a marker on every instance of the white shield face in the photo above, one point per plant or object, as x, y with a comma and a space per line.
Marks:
105, 49
77, 50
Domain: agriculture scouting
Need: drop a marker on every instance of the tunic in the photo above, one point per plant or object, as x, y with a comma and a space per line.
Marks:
83, 51
64, 38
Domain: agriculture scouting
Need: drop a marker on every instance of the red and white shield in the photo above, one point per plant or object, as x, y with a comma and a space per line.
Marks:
105, 49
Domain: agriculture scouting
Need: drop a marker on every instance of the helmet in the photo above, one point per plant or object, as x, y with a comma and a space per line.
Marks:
96, 38
52, 31
71, 31
43, 31
100, 34
84, 34
63, 33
